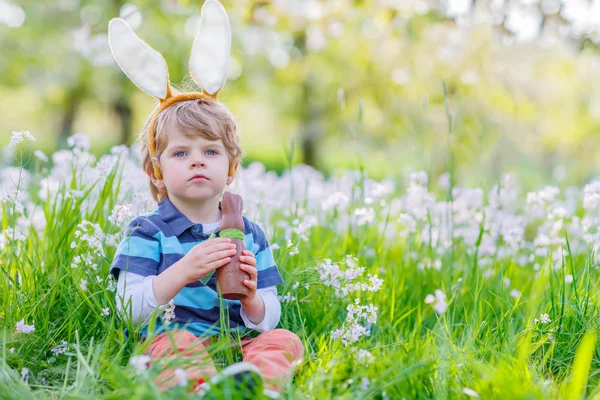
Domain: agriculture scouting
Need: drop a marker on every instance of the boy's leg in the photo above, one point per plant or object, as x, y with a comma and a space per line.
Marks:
275, 353
184, 344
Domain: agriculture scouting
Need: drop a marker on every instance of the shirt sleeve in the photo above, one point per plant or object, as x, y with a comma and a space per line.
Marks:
139, 252
272, 311
135, 294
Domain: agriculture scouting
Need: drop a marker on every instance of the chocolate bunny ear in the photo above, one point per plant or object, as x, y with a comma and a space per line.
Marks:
145, 66
211, 49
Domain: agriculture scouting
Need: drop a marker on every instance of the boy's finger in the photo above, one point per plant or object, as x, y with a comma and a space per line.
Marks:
222, 254
218, 263
248, 260
220, 247
250, 284
215, 242
250, 270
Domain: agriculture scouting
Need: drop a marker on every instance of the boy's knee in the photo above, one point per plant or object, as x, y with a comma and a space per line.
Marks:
288, 339
171, 342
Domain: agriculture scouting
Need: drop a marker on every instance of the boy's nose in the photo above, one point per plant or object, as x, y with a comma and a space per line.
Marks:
196, 160
196, 163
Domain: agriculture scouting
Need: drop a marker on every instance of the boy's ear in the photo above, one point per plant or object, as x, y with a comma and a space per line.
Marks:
159, 183
232, 170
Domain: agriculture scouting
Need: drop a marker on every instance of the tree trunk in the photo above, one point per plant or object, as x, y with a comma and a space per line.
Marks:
71, 106
123, 110
311, 126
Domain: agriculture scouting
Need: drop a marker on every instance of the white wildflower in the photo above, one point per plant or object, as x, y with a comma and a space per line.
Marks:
24, 374
40, 155
121, 214
60, 349
470, 393
18, 137
545, 319
169, 314
438, 299
111, 285
105, 311
353, 329
80, 141
364, 356
182, 379
287, 298
364, 383
569, 278
83, 285
140, 363
23, 328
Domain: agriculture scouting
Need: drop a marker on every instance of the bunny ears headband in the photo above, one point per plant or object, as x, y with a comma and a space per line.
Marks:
147, 68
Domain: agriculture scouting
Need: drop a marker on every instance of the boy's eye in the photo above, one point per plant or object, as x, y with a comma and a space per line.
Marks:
212, 151
178, 154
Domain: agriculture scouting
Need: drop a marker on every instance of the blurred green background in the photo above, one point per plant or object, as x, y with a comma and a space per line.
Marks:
351, 84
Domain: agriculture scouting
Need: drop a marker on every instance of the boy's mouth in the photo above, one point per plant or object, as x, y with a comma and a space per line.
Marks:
198, 177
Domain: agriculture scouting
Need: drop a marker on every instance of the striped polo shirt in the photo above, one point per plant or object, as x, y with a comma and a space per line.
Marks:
157, 240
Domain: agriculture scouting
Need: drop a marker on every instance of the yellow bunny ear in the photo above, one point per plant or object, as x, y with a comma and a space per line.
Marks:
211, 49
140, 62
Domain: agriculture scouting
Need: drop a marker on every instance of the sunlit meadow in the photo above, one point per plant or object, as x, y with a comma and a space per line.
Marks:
397, 291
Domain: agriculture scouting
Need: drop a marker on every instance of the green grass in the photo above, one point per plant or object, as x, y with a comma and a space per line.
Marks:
485, 344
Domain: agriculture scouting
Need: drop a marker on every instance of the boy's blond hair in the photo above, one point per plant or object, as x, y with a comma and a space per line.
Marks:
205, 117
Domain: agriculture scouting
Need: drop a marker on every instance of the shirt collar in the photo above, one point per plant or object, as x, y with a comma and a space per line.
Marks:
173, 217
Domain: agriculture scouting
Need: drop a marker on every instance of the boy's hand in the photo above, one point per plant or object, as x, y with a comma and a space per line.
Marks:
248, 265
206, 257
253, 305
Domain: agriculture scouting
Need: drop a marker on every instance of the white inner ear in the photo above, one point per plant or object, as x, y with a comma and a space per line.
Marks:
212, 47
140, 62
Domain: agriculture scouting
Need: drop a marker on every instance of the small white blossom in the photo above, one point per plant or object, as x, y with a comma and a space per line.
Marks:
169, 314
105, 311
569, 278
470, 393
364, 356
140, 363
60, 349
80, 141
182, 379
24, 374
438, 299
23, 328
18, 137
121, 214
40, 155
364, 383
111, 285
83, 285
288, 297
545, 319
515, 293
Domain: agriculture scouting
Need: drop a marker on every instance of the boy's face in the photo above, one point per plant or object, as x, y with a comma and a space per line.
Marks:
185, 159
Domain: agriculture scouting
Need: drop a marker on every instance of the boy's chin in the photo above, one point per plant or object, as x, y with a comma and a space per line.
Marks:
198, 197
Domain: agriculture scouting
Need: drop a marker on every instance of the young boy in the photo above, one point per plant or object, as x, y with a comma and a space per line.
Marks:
167, 253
